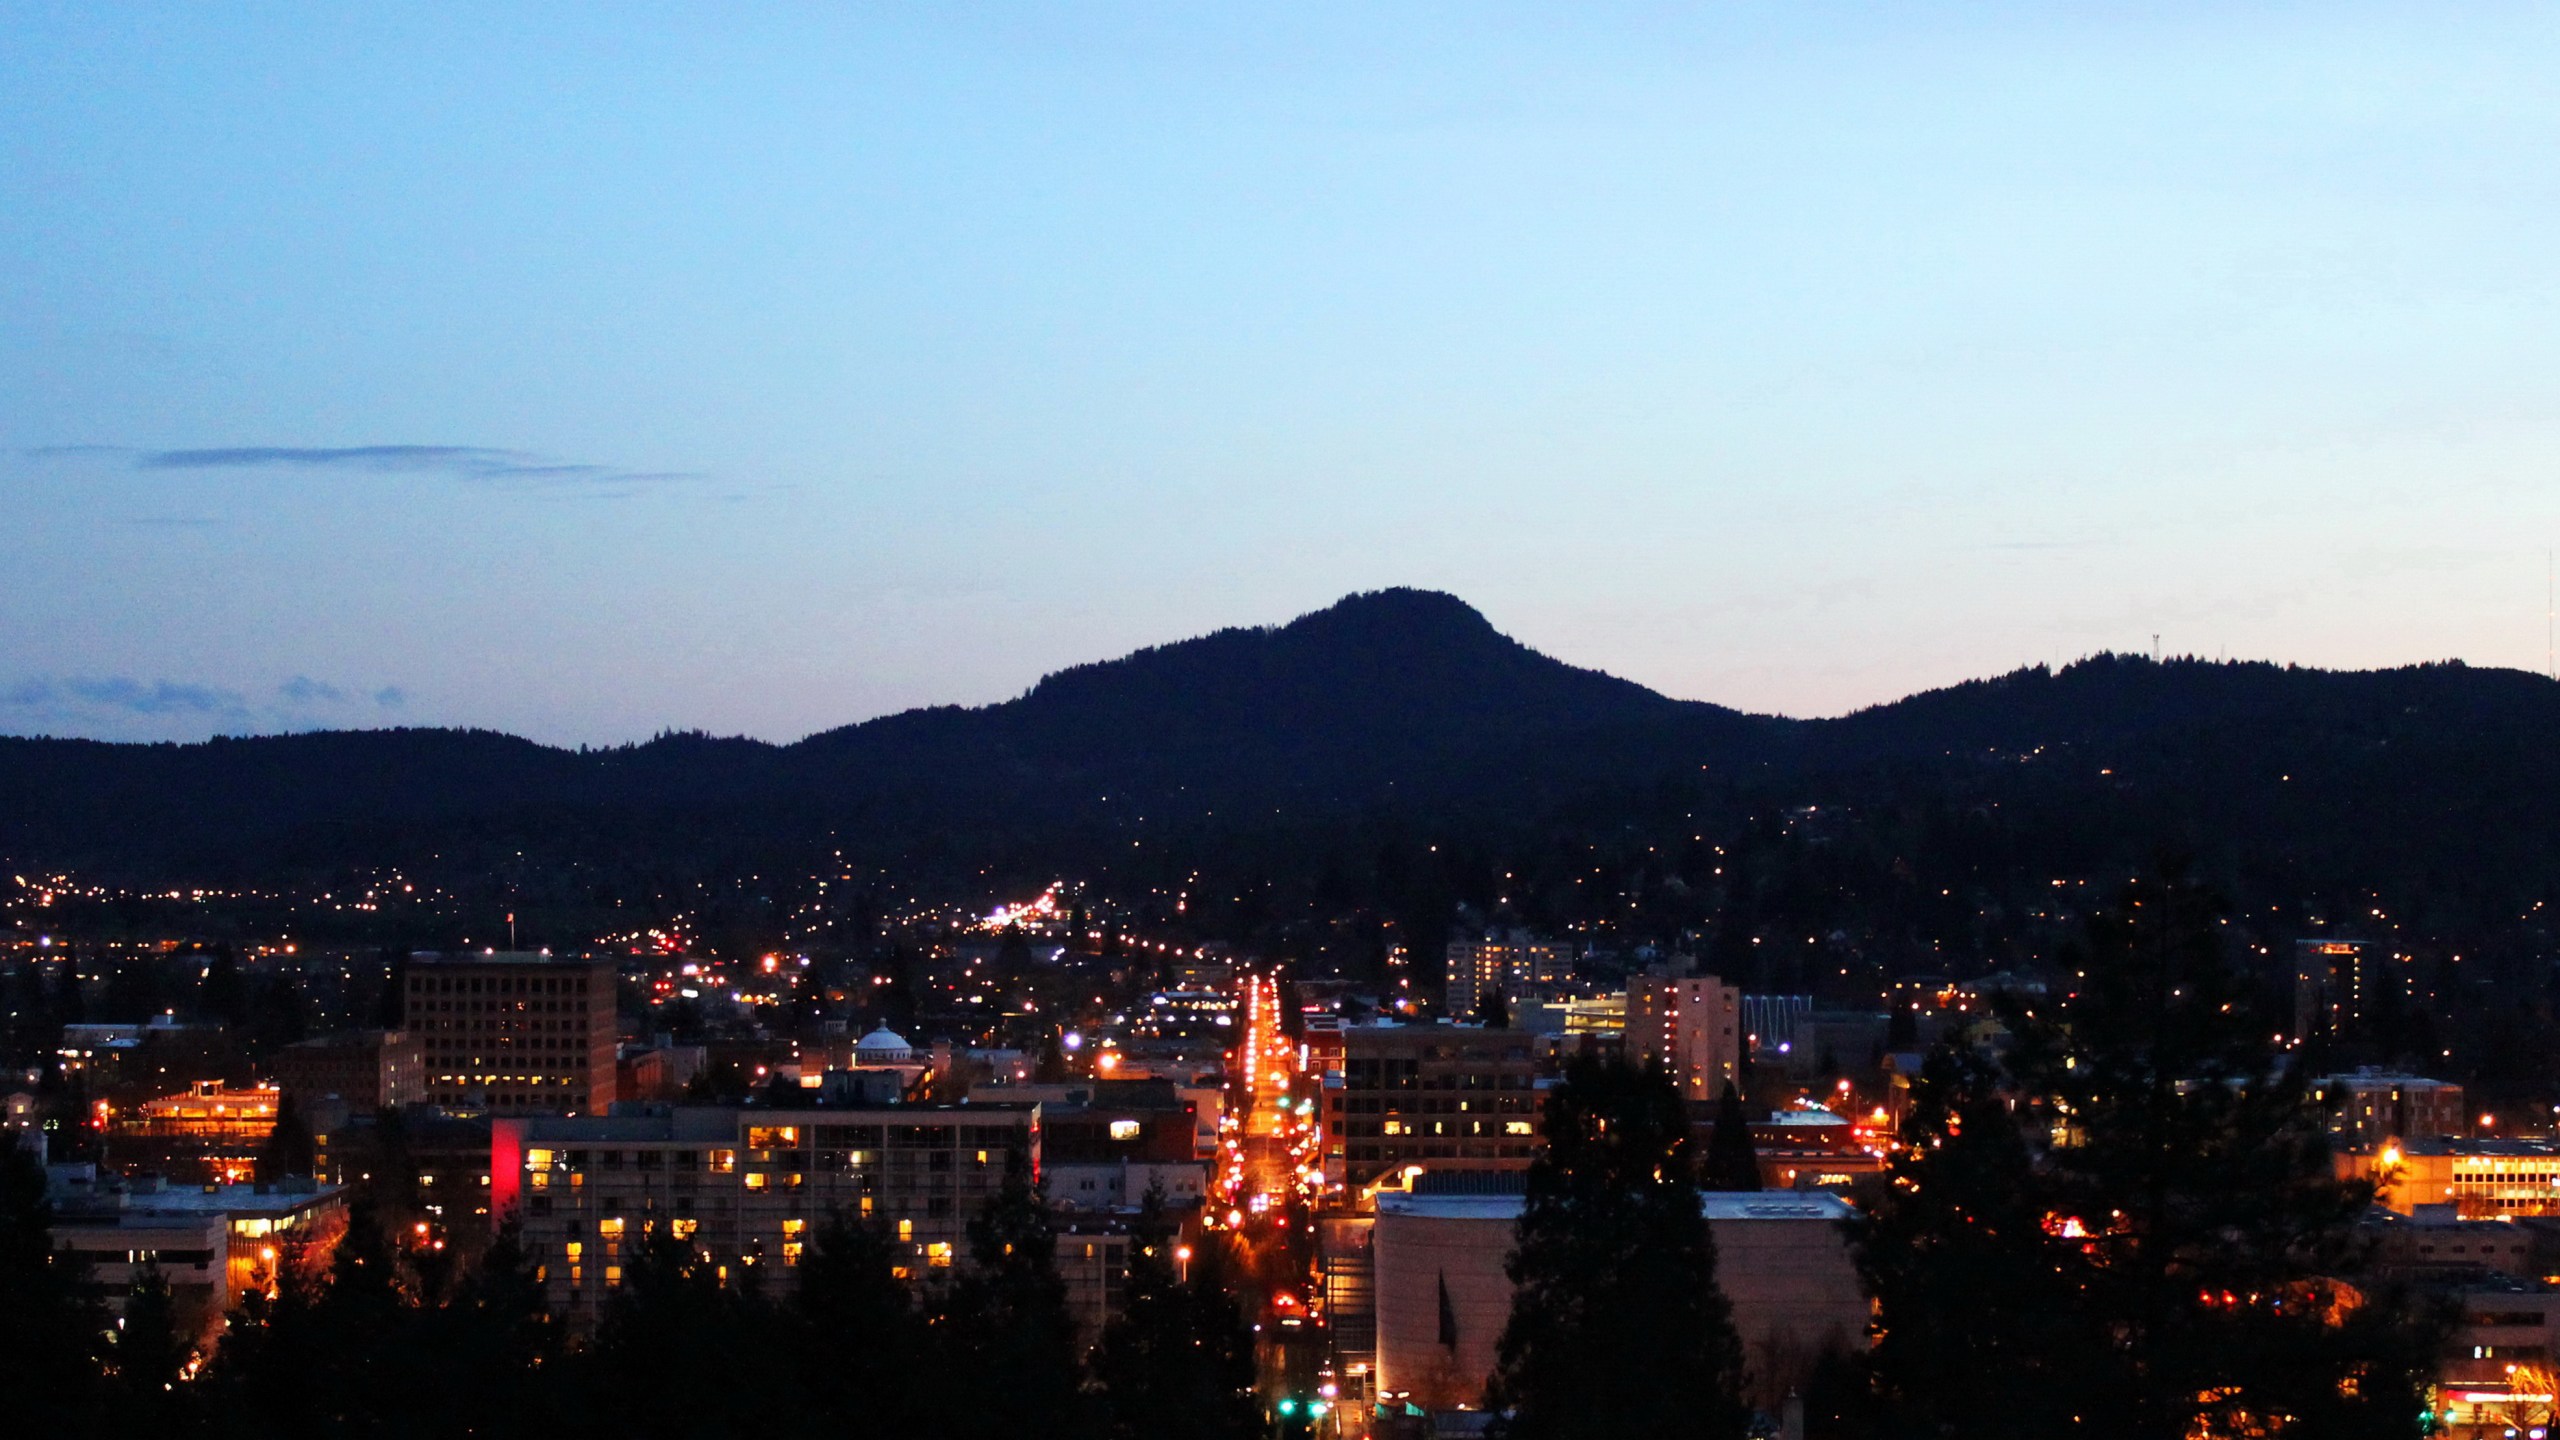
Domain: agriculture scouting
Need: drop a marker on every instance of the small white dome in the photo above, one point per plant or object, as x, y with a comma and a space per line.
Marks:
883, 1047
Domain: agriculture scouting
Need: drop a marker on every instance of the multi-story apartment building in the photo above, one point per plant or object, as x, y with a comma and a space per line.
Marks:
2339, 984
365, 1070
1691, 1026
1456, 1097
2368, 1108
514, 1033
1507, 962
748, 1184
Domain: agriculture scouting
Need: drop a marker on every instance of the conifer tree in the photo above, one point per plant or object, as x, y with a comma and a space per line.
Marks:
1732, 1163
496, 1350
1178, 1364
1618, 1327
150, 1354
289, 1148
673, 1320
2129, 1225
50, 1331
860, 1339
1007, 1315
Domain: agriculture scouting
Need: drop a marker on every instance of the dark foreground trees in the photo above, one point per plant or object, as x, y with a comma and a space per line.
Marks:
1178, 1363
2127, 1225
1618, 1327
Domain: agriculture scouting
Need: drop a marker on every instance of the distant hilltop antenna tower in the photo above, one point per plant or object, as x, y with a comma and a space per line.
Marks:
2551, 614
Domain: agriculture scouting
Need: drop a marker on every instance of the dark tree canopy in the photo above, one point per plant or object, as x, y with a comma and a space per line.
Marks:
1006, 1314
1178, 1364
1732, 1163
2128, 1225
1618, 1327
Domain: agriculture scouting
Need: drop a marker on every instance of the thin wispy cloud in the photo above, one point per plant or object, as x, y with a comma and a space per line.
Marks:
129, 707
467, 462
479, 464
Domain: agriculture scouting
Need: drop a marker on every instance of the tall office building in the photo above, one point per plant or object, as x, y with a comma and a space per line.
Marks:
1504, 961
367, 1070
1450, 1096
2338, 984
514, 1033
1691, 1026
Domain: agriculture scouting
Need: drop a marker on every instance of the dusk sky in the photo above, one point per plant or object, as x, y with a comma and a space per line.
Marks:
584, 373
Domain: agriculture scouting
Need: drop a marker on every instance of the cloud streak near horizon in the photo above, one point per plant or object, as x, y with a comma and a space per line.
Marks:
482, 463
100, 706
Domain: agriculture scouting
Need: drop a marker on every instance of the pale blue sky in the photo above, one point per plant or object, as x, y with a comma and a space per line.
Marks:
588, 372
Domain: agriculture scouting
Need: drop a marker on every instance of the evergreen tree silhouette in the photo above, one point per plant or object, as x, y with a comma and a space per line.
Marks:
1617, 1325
2128, 1225
1006, 1315
1178, 1363
1732, 1163
859, 1337
51, 1331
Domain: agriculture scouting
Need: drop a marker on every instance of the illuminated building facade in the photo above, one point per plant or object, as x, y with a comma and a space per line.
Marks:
1457, 1097
1506, 963
366, 1070
1691, 1026
2479, 1179
514, 1033
2369, 1109
2338, 984
242, 1236
747, 1184
2497, 1377
1442, 1299
208, 1134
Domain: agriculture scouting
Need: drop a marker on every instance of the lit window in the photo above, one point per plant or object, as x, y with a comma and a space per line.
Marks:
723, 1161
1518, 1127
790, 1252
1124, 1129
537, 1159
906, 1229
755, 1182
938, 1254
789, 1227
683, 1229
610, 1225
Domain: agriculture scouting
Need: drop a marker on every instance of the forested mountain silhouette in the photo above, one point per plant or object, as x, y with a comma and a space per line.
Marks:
1399, 709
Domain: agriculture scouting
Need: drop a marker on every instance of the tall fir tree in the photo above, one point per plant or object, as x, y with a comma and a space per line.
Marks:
2129, 1226
1732, 1163
289, 1148
150, 1356
1007, 1315
497, 1348
1618, 1327
51, 1331
859, 1337
672, 1320
1178, 1363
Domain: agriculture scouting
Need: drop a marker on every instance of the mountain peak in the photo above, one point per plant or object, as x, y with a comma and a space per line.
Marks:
1399, 611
